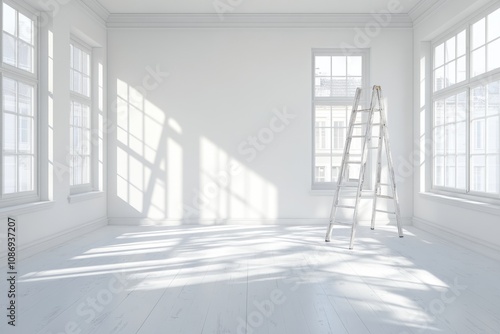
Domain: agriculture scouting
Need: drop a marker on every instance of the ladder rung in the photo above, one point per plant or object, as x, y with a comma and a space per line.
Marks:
385, 211
357, 136
348, 186
346, 206
365, 123
354, 162
385, 197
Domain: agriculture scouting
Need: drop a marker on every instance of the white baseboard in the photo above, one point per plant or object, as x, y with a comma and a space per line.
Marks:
55, 240
127, 221
477, 245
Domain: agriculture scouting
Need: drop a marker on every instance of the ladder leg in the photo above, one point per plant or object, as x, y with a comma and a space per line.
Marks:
377, 176
392, 175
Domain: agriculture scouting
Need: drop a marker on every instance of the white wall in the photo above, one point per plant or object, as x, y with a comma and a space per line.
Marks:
466, 220
177, 135
60, 217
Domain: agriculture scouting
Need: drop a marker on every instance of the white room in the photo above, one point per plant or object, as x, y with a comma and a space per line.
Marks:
174, 167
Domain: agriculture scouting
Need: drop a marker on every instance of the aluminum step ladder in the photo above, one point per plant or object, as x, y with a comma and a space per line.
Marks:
357, 121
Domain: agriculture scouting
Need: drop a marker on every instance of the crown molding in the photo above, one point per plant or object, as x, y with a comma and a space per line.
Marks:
95, 7
118, 21
423, 9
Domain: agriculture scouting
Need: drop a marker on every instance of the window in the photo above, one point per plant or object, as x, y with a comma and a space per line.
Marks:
336, 76
80, 118
466, 110
18, 104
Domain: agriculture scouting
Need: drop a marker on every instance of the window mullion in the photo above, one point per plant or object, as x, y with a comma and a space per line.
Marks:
468, 142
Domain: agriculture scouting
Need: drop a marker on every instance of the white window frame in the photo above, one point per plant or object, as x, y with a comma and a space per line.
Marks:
335, 101
19, 75
467, 86
89, 101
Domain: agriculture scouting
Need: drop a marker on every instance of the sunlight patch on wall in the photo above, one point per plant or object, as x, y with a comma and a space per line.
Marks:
230, 190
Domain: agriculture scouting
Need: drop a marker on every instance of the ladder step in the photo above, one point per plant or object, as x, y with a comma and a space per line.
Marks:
346, 206
357, 136
385, 197
365, 123
354, 162
385, 211
347, 186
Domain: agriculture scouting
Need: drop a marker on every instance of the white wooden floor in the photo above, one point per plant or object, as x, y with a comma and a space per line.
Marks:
265, 279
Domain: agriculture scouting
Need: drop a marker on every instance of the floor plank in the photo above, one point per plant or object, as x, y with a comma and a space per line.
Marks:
256, 279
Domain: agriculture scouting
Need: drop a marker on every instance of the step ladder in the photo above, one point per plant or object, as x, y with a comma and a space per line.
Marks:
343, 184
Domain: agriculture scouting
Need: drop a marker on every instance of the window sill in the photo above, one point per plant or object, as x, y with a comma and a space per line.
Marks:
463, 203
25, 208
85, 196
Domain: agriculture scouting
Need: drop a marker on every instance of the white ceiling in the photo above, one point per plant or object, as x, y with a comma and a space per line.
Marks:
254, 6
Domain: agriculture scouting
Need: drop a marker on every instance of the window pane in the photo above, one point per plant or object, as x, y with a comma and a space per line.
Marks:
439, 79
494, 55
450, 49
450, 74
461, 44
77, 59
9, 50
85, 85
492, 171
25, 99
322, 169
494, 25
438, 113
439, 140
450, 172
86, 116
25, 29
478, 173
77, 170
478, 61
492, 135
9, 19
322, 66
461, 69
85, 170
323, 140
354, 66
9, 95
339, 66
461, 172
439, 56
439, 171
352, 84
478, 34
339, 86
323, 116
25, 61
9, 132
477, 136
25, 131
25, 173
478, 102
77, 82
86, 63
9, 174
461, 138
323, 86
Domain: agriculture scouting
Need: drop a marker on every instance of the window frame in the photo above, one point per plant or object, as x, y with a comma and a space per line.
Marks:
76, 189
32, 79
470, 83
332, 101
